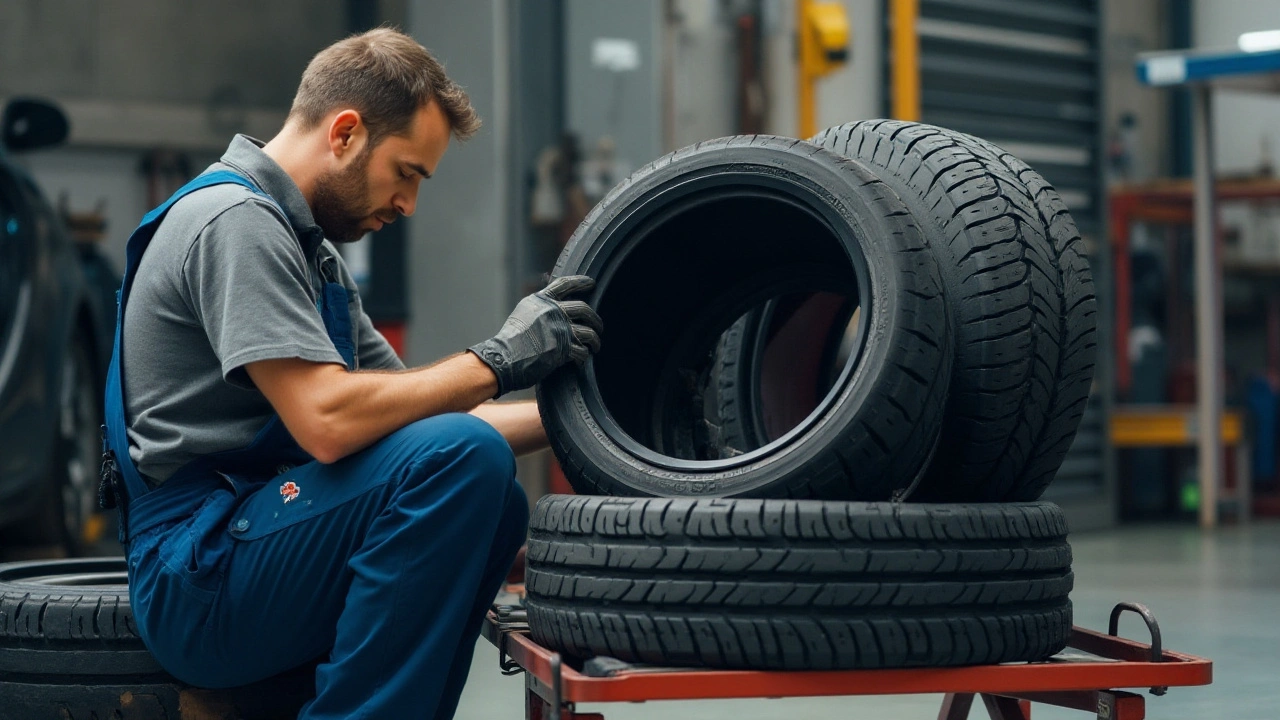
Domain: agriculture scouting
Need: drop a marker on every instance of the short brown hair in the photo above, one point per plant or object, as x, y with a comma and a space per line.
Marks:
386, 76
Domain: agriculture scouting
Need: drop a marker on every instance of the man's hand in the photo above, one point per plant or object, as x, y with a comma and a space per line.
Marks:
545, 331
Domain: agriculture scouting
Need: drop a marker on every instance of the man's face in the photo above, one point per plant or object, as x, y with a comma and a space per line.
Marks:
380, 183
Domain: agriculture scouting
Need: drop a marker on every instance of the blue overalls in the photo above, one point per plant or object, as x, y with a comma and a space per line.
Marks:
246, 563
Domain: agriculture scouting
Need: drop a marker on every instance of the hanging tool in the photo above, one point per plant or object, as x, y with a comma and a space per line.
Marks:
823, 44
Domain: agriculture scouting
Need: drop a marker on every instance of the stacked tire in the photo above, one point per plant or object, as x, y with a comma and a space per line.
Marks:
798, 584
846, 369
70, 650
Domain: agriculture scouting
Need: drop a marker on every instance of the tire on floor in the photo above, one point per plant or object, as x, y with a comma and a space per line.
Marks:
70, 650
686, 246
798, 584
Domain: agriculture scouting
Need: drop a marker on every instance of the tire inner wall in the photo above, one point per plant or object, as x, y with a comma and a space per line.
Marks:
672, 295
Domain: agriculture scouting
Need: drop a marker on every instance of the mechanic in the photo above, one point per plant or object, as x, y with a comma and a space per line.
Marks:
289, 491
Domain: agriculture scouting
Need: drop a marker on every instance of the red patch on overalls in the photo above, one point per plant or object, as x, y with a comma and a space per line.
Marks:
289, 491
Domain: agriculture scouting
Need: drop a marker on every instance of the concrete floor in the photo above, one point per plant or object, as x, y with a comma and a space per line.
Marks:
1216, 595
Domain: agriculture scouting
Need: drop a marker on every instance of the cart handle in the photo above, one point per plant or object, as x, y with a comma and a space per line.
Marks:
1153, 627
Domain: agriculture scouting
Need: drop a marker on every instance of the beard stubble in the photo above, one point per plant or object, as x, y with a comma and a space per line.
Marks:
341, 201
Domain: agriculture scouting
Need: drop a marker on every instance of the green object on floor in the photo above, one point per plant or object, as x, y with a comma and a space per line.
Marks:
1190, 496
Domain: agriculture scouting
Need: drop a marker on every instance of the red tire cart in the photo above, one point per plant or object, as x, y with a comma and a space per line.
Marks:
1084, 677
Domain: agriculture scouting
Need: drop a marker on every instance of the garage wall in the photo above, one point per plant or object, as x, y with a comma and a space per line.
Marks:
1129, 30
136, 75
174, 51
90, 177
621, 101
697, 40
458, 237
701, 72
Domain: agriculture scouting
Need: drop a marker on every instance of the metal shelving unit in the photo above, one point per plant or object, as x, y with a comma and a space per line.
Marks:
1204, 71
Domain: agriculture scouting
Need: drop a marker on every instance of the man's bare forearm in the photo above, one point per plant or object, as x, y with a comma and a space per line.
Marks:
518, 422
333, 413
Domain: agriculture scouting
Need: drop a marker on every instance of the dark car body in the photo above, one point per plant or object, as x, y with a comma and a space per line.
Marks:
56, 327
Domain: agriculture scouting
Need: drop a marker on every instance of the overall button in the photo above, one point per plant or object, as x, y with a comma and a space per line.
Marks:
242, 524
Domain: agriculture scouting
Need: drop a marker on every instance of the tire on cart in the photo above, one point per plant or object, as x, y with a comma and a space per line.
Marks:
1020, 289
798, 584
1077, 330
70, 650
689, 244
762, 375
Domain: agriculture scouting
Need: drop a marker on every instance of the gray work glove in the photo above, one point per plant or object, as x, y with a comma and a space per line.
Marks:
545, 331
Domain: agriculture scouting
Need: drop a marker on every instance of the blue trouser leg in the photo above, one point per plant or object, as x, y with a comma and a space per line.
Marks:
495, 573
385, 558
433, 619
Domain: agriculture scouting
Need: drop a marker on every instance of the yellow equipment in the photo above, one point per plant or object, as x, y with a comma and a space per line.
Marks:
823, 29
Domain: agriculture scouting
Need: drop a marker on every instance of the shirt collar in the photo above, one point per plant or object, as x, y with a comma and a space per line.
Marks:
245, 156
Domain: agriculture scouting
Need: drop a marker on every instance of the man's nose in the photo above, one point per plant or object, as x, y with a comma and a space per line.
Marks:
404, 205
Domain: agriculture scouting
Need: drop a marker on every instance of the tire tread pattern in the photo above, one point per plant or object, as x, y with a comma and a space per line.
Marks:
798, 584
1019, 285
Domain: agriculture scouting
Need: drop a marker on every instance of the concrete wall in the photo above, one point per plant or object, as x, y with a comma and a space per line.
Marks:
144, 73
537, 122
624, 104
695, 84
702, 73
458, 237
1246, 126
181, 52
461, 239
137, 75
92, 177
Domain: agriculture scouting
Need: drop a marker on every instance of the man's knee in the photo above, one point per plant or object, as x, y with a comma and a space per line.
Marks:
469, 447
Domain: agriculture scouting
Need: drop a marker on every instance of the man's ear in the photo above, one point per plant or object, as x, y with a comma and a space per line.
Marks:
347, 133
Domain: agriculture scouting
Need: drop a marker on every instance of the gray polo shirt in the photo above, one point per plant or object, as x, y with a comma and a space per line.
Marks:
230, 278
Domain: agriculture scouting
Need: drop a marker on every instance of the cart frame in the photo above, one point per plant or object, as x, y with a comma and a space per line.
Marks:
1084, 679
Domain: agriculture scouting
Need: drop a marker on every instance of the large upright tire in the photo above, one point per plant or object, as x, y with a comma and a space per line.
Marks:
1007, 414
1077, 330
798, 584
682, 249
70, 650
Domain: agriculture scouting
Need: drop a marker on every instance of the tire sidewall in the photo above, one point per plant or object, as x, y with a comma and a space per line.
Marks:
828, 183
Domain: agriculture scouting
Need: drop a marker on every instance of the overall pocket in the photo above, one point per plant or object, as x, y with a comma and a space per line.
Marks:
197, 549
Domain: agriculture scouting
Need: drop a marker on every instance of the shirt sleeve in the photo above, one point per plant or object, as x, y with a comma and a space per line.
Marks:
375, 352
249, 286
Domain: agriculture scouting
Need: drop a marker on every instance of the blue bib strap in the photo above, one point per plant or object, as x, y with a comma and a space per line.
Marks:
143, 508
116, 437
337, 321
